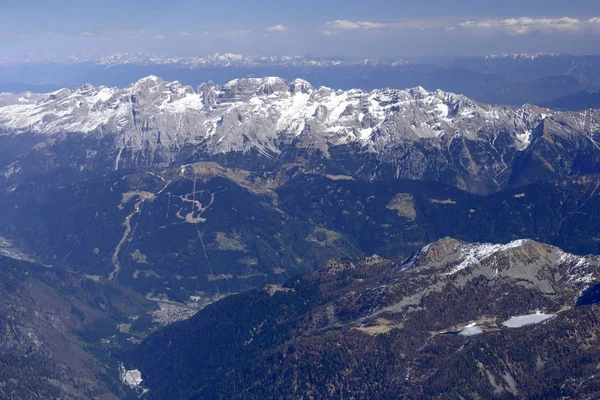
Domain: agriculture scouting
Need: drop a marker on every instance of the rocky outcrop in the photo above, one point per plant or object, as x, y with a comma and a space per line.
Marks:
375, 328
411, 134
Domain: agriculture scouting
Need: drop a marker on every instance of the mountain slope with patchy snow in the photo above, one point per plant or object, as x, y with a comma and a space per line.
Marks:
376, 328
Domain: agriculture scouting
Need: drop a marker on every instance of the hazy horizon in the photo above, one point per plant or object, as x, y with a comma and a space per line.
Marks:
349, 29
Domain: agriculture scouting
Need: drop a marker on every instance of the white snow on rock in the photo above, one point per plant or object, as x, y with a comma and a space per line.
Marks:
132, 377
471, 330
475, 253
522, 320
258, 113
217, 60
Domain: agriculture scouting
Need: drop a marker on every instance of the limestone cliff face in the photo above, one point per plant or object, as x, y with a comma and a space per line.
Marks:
413, 134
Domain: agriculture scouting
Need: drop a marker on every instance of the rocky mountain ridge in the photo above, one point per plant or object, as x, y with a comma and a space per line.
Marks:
227, 59
89, 108
211, 60
376, 328
413, 133
239, 60
519, 56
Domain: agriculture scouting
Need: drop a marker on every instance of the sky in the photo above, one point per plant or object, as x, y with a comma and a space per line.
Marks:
384, 29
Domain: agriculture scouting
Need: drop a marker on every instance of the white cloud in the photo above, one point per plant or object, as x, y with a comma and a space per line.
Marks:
186, 34
277, 28
525, 25
342, 25
371, 25
339, 26
99, 32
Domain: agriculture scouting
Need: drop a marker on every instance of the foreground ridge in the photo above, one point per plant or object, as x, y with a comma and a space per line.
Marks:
498, 323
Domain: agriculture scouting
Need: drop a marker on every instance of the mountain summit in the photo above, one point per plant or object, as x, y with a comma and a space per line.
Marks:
376, 328
412, 133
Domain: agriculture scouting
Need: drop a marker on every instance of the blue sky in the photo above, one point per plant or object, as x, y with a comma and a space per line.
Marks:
348, 28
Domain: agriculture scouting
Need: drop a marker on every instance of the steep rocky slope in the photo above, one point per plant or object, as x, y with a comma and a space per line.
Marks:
57, 330
411, 134
455, 320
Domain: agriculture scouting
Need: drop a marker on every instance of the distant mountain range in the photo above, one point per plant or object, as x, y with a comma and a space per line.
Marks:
513, 79
212, 60
233, 59
577, 102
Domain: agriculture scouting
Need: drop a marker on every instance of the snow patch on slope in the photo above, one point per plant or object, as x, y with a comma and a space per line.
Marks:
471, 330
132, 378
529, 319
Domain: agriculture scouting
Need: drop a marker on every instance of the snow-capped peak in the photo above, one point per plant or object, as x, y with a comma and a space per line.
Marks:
217, 60
519, 56
450, 257
260, 113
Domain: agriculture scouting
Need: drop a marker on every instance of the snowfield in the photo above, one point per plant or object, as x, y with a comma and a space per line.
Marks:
530, 319
471, 330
